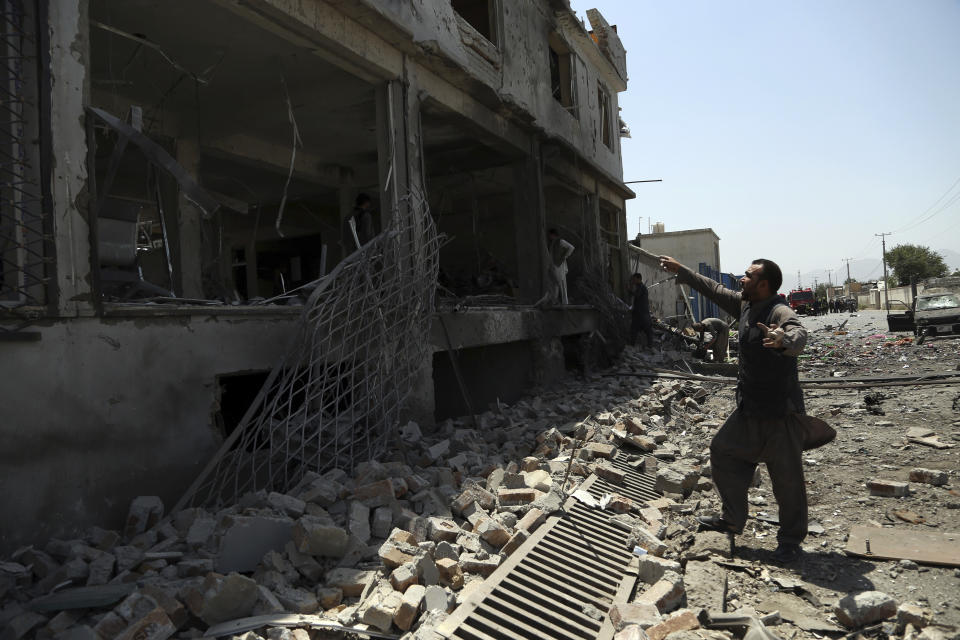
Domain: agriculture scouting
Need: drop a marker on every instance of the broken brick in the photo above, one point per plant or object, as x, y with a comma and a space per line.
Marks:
516, 496
888, 488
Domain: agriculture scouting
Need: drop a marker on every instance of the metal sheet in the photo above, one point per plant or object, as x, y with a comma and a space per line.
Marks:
893, 543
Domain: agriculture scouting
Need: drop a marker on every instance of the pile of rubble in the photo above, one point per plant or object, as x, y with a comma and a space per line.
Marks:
394, 548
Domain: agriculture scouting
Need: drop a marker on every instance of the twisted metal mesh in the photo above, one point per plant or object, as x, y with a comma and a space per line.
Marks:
335, 397
23, 238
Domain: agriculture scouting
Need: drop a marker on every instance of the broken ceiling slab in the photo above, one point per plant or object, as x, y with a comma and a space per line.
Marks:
608, 41
891, 543
797, 611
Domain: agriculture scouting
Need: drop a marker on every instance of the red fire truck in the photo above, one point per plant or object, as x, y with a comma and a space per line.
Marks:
801, 300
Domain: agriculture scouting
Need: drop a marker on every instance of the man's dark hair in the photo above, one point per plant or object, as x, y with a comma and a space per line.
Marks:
770, 272
638, 277
552, 232
363, 199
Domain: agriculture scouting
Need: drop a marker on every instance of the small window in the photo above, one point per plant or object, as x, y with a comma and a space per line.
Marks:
479, 14
562, 73
606, 121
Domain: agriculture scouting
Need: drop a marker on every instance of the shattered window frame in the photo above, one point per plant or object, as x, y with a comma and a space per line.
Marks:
491, 30
563, 76
604, 104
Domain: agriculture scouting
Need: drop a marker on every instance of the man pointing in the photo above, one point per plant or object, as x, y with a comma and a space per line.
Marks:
764, 427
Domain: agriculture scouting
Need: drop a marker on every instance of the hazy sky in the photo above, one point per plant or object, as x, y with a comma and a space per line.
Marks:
796, 129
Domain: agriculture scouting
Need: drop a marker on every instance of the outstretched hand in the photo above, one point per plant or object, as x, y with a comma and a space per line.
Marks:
773, 335
669, 264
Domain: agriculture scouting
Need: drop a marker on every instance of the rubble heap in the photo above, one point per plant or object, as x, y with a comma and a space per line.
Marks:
398, 545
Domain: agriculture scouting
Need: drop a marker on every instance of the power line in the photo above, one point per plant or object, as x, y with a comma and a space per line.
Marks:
920, 219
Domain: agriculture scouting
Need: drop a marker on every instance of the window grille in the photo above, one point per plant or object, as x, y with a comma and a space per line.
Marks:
24, 221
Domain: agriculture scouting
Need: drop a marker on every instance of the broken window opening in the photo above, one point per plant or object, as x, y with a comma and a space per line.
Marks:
562, 66
606, 122
479, 14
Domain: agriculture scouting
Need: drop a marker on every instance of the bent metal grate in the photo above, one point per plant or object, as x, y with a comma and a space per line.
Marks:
574, 562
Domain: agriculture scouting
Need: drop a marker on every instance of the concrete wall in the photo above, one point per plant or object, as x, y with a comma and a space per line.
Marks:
690, 248
516, 70
124, 408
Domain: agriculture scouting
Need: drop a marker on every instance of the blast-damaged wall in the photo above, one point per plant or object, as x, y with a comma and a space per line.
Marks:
126, 408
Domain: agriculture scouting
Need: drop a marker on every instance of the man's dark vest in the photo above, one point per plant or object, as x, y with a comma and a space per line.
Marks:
767, 383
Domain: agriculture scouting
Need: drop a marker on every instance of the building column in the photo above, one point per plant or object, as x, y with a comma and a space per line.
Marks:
189, 220
69, 92
529, 225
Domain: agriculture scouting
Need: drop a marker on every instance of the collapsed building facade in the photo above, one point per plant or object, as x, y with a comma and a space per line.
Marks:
174, 170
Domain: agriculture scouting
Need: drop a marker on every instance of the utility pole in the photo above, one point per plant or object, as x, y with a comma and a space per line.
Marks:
798, 279
829, 285
883, 239
847, 260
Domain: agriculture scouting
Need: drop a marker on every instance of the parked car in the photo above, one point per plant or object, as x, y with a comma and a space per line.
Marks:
936, 314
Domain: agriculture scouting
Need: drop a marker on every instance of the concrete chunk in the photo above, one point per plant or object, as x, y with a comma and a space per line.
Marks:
492, 531
935, 477
145, 512
352, 582
404, 576
652, 568
888, 488
245, 540
443, 530
222, 598
860, 609
451, 575
382, 522
358, 519
380, 611
320, 537
329, 597
409, 606
531, 520
666, 594
643, 614
471, 494
683, 620
475, 563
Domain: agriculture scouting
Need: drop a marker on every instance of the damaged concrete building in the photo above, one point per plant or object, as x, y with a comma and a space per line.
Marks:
173, 170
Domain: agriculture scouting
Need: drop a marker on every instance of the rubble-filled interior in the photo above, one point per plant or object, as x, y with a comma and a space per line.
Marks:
262, 123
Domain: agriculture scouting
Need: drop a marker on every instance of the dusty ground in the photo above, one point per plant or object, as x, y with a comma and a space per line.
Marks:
868, 446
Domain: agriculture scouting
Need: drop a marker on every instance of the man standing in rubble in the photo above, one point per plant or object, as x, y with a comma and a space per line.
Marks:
359, 226
640, 321
764, 427
558, 250
721, 334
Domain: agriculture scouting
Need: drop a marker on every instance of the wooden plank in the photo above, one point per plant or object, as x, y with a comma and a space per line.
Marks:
893, 543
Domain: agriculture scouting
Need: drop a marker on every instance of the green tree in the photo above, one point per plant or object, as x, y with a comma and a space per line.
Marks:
910, 260
820, 291
850, 281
